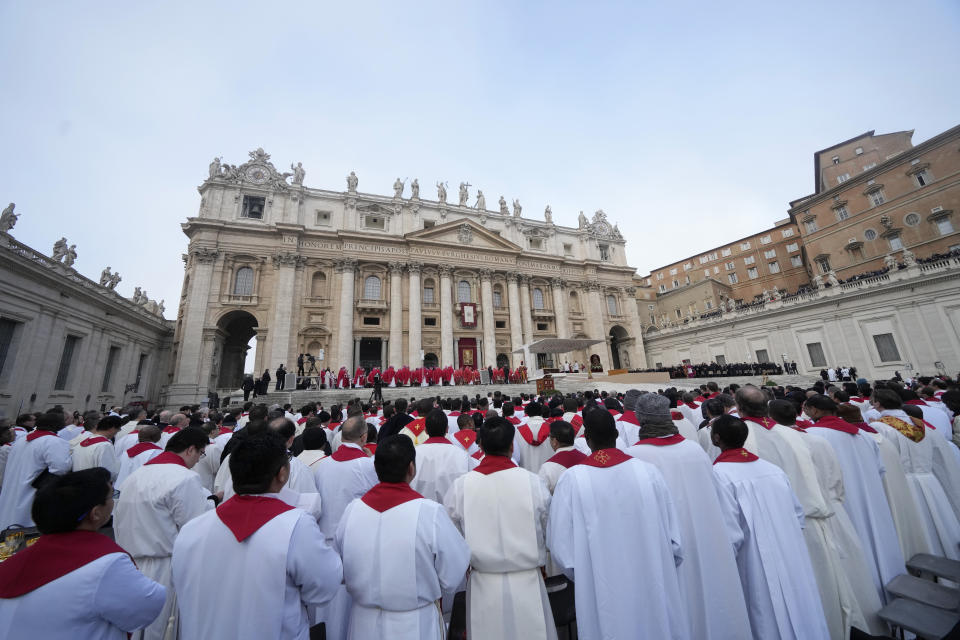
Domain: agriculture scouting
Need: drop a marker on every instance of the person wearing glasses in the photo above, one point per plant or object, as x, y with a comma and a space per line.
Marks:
158, 499
74, 582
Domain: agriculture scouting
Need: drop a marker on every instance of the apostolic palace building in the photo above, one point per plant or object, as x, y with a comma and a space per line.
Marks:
864, 271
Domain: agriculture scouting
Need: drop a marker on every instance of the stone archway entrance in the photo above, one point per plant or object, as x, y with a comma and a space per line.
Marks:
239, 328
618, 347
431, 360
371, 351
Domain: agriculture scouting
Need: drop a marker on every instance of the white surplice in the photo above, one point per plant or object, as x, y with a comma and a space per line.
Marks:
531, 456
256, 589
300, 480
708, 575
99, 454
102, 600
503, 517
550, 471
26, 460
591, 521
438, 465
911, 531
396, 566
312, 457
865, 501
775, 569
157, 500
130, 464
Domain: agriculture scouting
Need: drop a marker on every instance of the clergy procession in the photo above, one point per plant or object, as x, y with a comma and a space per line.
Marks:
718, 514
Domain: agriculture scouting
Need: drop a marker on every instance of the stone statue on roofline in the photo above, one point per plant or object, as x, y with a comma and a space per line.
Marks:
481, 201
70, 256
889, 262
909, 259
442, 192
114, 281
352, 181
503, 206
105, 277
548, 215
464, 193
516, 208
59, 249
415, 189
298, 173
8, 218
398, 188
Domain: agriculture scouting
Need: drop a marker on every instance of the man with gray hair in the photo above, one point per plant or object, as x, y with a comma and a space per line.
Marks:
627, 423
177, 422
348, 474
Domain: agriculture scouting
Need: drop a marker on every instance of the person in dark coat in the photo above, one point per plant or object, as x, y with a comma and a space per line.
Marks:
281, 377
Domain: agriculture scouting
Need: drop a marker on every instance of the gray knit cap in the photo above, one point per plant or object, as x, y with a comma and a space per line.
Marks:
630, 399
653, 407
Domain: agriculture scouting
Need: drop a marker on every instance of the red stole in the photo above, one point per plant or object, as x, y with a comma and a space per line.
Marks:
224, 431
244, 515
387, 495
542, 434
627, 416
344, 453
568, 458
613, 412
492, 464
514, 420
662, 442
803, 424
53, 556
417, 426
33, 435
139, 448
692, 405
437, 440
676, 415
766, 423
332, 426
477, 455
171, 429
605, 458
918, 403
466, 437
736, 455
837, 424
371, 447
168, 458
93, 440
863, 426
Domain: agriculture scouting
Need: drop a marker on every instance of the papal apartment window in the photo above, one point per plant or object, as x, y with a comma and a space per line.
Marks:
371, 288
774, 267
732, 278
765, 240
243, 286
726, 252
688, 266
796, 261
749, 260
786, 233
842, 213
744, 246
673, 271
793, 246
731, 266
810, 225
253, 207
752, 273
772, 253
877, 198
823, 264
66, 361
843, 178
886, 347
922, 177
944, 226
896, 242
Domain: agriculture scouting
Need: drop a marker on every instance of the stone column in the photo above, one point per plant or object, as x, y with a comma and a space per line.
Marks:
258, 360
283, 296
384, 345
345, 267
595, 315
486, 300
516, 331
414, 317
638, 356
201, 277
396, 316
560, 308
446, 316
525, 317
356, 355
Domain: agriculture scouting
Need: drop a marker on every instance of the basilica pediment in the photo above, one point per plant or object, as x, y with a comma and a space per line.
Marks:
464, 234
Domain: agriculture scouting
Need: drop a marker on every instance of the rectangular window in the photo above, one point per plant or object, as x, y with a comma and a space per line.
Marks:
704, 259
867, 167
323, 218
774, 267
731, 266
371, 321
944, 226
793, 246
253, 207
7, 330
663, 288
732, 278
886, 347
823, 264
877, 198
842, 213
843, 178
604, 252
568, 249
786, 233
497, 300
922, 177
815, 350
765, 240
706, 273
762, 355
720, 359
896, 243
542, 326
752, 273
500, 324
726, 252
688, 266
744, 246
66, 360
858, 151
749, 260
428, 295
429, 322
708, 305
772, 253
375, 222
673, 271
716, 270
676, 283
108, 372
679, 313
660, 276
836, 159
811, 225
796, 261
427, 224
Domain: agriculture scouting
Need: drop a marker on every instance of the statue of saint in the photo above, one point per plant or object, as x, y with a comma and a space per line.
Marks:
464, 193
59, 249
516, 208
114, 281
818, 282
215, 168
481, 201
105, 277
398, 189
441, 192
415, 189
503, 206
832, 278
352, 182
298, 173
136, 295
889, 262
70, 256
160, 308
8, 218
548, 215
909, 259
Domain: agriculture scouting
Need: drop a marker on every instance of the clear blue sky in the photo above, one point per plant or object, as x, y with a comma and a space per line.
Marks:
689, 123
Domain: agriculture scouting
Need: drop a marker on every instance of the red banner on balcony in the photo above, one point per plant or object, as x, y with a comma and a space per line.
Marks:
468, 314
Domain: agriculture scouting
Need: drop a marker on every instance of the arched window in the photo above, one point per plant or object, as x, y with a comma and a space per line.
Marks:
463, 291
574, 302
497, 297
243, 285
371, 288
612, 305
318, 286
538, 298
428, 289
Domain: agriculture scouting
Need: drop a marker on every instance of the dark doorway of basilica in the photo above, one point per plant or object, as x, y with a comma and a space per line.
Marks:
618, 335
240, 329
431, 360
502, 360
371, 350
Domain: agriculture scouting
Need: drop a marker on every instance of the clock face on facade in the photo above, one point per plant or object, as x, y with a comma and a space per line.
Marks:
256, 174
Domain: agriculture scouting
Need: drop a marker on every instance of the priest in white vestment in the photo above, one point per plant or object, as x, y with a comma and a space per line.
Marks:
623, 554
530, 447
314, 442
97, 450
775, 569
565, 455
708, 574
439, 461
157, 500
864, 499
502, 511
139, 454
251, 569
401, 553
74, 582
40, 452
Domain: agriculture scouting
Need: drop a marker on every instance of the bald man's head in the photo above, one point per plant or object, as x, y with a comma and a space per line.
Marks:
353, 429
179, 420
149, 433
751, 401
165, 416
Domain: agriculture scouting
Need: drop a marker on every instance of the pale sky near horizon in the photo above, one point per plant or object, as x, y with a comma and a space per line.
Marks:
690, 123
